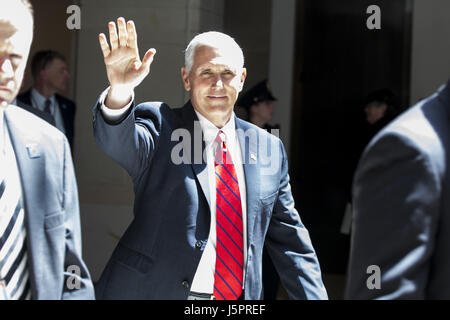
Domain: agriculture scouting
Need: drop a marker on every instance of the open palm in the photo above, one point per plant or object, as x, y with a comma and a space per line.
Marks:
124, 67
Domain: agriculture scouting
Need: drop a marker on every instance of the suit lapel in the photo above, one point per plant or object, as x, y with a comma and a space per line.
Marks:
29, 163
197, 147
251, 172
64, 109
26, 98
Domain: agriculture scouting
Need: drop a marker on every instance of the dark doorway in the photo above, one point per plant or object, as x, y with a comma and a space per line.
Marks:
339, 61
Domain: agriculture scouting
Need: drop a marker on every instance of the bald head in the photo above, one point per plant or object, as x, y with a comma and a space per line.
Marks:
16, 35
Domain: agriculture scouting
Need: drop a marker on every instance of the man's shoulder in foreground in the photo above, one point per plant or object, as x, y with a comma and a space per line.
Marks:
33, 127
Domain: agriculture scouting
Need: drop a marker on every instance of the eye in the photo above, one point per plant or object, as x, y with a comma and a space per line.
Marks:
228, 73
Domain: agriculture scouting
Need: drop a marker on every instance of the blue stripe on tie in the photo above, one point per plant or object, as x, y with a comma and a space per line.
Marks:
230, 237
229, 270
2, 188
229, 253
230, 221
228, 203
220, 293
219, 162
229, 173
227, 284
228, 157
228, 186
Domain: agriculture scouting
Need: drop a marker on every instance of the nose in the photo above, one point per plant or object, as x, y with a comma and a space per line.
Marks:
218, 82
6, 68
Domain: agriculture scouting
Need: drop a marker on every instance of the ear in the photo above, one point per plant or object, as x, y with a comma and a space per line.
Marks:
185, 79
243, 77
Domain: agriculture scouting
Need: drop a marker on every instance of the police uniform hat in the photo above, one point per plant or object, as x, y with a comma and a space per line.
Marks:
260, 92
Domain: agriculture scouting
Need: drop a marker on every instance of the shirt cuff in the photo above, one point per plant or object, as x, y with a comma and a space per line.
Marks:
113, 115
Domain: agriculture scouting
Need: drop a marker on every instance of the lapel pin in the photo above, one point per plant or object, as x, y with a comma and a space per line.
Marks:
33, 151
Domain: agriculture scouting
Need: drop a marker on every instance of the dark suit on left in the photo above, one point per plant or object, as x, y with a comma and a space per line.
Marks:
67, 108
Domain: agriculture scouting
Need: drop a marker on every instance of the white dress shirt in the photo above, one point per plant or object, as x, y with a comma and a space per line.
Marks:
38, 102
204, 276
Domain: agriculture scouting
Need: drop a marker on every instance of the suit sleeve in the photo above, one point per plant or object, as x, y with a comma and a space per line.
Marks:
132, 139
77, 281
289, 245
396, 204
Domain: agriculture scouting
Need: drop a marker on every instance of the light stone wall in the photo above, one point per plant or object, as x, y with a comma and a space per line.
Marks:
430, 61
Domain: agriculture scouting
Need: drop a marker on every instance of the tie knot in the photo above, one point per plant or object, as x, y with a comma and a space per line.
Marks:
220, 137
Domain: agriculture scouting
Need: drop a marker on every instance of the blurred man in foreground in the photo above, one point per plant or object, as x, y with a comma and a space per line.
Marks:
40, 237
400, 242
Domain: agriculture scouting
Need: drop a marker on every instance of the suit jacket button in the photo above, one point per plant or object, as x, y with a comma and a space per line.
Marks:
185, 284
199, 244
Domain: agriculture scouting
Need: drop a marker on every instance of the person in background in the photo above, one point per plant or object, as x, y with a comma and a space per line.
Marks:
381, 107
259, 103
51, 77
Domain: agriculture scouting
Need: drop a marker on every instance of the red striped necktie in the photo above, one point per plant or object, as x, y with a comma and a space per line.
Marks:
228, 276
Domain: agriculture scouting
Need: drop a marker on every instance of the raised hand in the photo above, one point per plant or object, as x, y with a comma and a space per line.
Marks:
124, 68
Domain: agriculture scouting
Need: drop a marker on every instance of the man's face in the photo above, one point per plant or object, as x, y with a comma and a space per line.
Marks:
56, 75
214, 83
264, 110
15, 42
375, 111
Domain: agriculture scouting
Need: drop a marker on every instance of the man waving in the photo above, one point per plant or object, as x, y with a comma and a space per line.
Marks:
202, 210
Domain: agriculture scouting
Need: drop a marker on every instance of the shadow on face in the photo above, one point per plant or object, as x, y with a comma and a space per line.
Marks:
375, 112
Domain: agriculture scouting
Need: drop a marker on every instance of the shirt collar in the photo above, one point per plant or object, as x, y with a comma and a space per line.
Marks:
210, 131
39, 99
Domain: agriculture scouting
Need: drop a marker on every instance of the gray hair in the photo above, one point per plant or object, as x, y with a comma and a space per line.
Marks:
216, 40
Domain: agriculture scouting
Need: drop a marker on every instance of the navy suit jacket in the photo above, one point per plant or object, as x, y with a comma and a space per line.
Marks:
52, 218
158, 255
402, 207
67, 108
